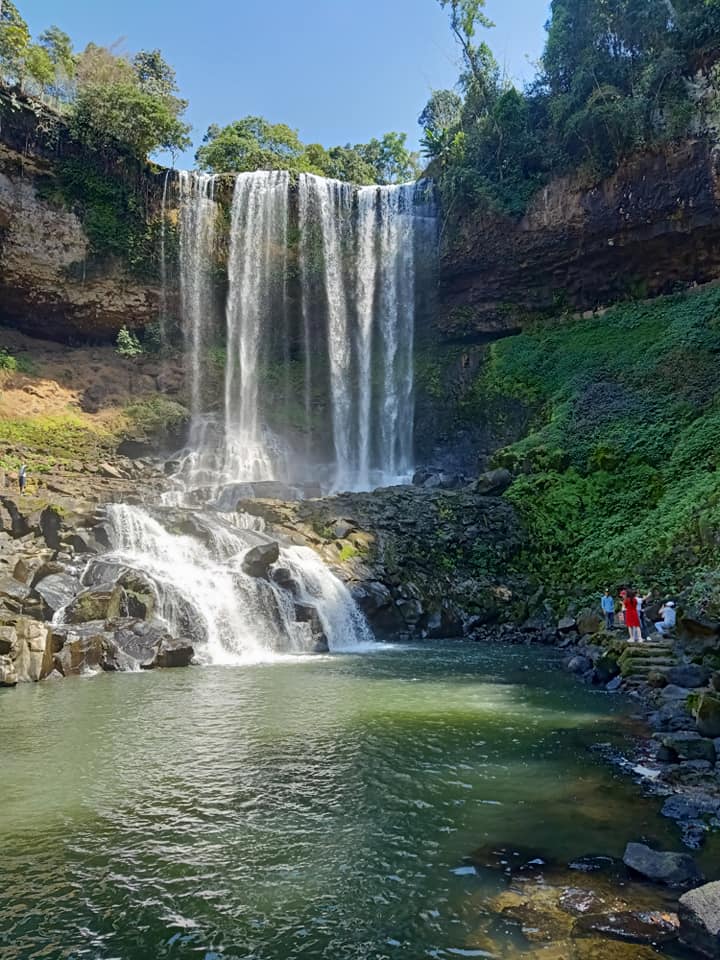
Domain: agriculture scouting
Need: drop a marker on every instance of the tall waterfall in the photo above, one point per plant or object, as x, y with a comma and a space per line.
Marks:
322, 287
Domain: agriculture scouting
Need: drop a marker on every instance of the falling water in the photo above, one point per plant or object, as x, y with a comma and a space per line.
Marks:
194, 561
320, 319
163, 271
256, 275
197, 237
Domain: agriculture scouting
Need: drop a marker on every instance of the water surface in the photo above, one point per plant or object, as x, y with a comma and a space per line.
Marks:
319, 808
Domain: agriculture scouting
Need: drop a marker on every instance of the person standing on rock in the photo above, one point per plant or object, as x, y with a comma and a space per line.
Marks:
607, 602
632, 617
22, 478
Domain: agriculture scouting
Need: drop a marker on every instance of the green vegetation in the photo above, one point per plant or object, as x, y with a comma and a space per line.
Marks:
112, 101
619, 474
255, 144
128, 345
157, 416
617, 76
12, 364
43, 442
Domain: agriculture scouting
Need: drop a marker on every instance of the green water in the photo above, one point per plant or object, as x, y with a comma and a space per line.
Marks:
312, 809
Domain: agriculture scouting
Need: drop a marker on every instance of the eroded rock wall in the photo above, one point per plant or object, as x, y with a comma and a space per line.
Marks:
650, 228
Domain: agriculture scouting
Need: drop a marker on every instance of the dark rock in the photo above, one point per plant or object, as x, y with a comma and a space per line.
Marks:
699, 913
283, 577
614, 685
82, 654
567, 625
579, 665
174, 653
673, 692
588, 621
707, 715
673, 869
8, 641
630, 925
492, 483
104, 602
259, 559
688, 675
139, 594
688, 745
13, 593
57, 590
341, 529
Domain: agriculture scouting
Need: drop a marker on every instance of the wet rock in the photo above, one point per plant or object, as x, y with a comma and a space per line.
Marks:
673, 869
579, 902
283, 577
174, 653
57, 590
690, 675
446, 623
82, 655
592, 949
139, 594
673, 692
634, 926
321, 645
579, 665
259, 559
614, 685
567, 625
606, 668
688, 745
707, 715
410, 610
674, 715
538, 913
103, 602
699, 913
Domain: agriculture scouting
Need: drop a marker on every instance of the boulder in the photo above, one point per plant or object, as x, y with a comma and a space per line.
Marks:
588, 621
8, 676
567, 625
492, 483
715, 681
13, 594
104, 602
259, 559
174, 653
707, 715
689, 675
82, 654
673, 869
699, 913
673, 692
139, 594
579, 665
33, 660
110, 472
688, 745
57, 590
341, 529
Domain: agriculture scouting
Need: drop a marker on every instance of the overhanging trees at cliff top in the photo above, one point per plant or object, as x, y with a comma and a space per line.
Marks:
254, 143
616, 76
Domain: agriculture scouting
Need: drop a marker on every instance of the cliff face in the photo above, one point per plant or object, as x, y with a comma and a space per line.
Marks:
653, 225
51, 284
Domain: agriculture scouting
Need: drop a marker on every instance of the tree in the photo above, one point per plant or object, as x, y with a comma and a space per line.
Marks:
441, 112
14, 41
466, 17
347, 163
59, 48
390, 158
252, 143
38, 67
117, 104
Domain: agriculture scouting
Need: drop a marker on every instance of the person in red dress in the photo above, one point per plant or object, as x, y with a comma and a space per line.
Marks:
632, 616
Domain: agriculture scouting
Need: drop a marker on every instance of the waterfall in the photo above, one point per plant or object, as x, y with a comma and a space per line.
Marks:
256, 297
163, 270
323, 287
197, 237
194, 562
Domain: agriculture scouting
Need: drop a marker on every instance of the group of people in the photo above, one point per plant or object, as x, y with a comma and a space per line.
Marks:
632, 612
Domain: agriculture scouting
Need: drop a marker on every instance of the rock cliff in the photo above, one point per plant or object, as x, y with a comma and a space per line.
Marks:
52, 282
650, 228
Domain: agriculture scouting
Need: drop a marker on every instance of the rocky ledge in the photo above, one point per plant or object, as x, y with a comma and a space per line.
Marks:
422, 563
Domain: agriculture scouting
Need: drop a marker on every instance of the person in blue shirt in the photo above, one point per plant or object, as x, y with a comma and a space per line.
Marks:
607, 602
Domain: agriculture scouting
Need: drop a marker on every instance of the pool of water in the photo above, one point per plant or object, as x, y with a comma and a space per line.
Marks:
321, 808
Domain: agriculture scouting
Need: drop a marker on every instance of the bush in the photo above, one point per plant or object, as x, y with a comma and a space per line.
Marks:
156, 416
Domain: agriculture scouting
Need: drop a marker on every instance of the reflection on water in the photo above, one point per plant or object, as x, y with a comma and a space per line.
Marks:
322, 809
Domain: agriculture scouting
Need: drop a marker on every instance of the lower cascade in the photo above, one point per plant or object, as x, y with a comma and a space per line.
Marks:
237, 594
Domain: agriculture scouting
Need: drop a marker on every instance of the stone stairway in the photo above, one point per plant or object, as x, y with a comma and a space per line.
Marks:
638, 661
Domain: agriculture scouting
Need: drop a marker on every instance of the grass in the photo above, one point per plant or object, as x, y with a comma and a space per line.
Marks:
43, 442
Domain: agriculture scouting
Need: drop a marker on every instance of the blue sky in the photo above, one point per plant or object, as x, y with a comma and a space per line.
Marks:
337, 70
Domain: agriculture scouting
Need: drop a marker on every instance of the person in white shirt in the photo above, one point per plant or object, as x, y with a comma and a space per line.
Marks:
669, 618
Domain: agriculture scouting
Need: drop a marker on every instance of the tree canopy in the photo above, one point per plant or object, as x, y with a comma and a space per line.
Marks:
254, 143
616, 76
